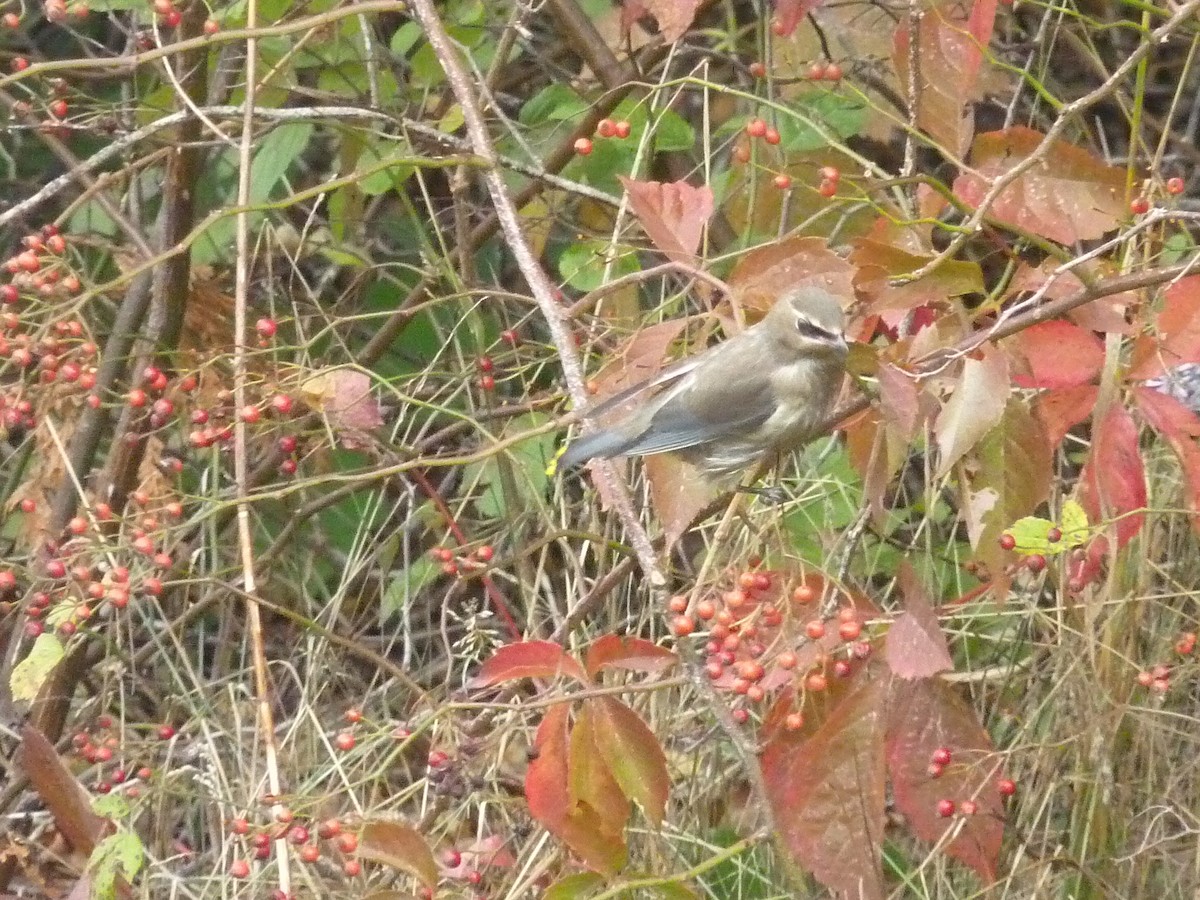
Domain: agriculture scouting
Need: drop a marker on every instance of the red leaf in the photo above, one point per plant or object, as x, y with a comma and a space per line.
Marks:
924, 716
828, 792
916, 646
633, 755
1177, 333
673, 214
789, 14
60, 791
951, 49
557, 807
631, 653
1069, 196
399, 846
527, 659
1062, 410
1113, 481
1179, 427
973, 409
899, 400
1058, 355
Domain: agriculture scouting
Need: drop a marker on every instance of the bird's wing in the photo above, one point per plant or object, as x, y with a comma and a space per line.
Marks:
732, 398
666, 377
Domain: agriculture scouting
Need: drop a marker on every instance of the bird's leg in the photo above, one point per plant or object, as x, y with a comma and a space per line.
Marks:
773, 494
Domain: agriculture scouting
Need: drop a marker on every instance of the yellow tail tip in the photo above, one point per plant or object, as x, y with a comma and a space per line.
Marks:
552, 468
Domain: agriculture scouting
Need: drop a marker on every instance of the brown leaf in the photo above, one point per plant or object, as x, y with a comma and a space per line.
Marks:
678, 492
916, 645
763, 275
672, 214
1104, 314
951, 54
399, 846
674, 17
1068, 196
63, 795
973, 409
344, 396
924, 716
828, 792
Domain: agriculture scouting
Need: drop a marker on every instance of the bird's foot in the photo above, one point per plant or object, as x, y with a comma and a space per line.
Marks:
775, 494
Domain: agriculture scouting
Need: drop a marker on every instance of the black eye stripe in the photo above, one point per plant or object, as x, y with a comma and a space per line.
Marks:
816, 332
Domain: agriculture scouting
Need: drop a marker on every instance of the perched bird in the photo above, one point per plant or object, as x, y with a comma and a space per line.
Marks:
760, 393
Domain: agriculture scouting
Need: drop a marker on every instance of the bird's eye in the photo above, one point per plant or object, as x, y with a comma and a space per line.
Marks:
811, 331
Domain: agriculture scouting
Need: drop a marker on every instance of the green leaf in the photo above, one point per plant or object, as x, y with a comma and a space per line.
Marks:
31, 673
673, 133
419, 572
119, 854
405, 38
1032, 533
838, 116
575, 887
581, 265
556, 102
528, 460
386, 165
111, 806
275, 155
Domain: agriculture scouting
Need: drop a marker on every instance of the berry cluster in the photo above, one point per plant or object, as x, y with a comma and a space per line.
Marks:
605, 128
762, 636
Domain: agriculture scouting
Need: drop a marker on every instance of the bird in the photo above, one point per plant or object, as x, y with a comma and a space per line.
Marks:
757, 395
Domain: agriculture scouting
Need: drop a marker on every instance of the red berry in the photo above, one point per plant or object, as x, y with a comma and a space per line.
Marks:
297, 834
345, 741
166, 732
583, 146
606, 128
310, 853
772, 137
623, 129
250, 413
934, 770
945, 808
266, 327
239, 868
830, 173
793, 721
509, 337
758, 70
173, 18
211, 26
804, 594
849, 631
817, 70
1054, 535
486, 364
683, 625
941, 756
756, 128
58, 109
239, 826
968, 807
352, 867
1007, 541
1007, 787
12, 20
347, 842
815, 629
1036, 562
1139, 206
485, 553
782, 181
329, 829
19, 64
816, 682
827, 189
833, 72
282, 404
786, 660
137, 397
1175, 185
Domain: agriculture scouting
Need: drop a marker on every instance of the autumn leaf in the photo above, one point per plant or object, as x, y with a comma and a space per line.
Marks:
527, 659
63, 795
766, 273
633, 755
344, 396
926, 716
633, 654
951, 55
673, 215
789, 14
1113, 480
899, 400
827, 792
399, 846
916, 645
879, 263
1056, 354
1179, 427
556, 803
1068, 196
973, 409
674, 17
1062, 410
1176, 337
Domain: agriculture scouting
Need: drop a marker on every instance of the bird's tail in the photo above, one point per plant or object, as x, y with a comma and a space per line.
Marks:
603, 443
